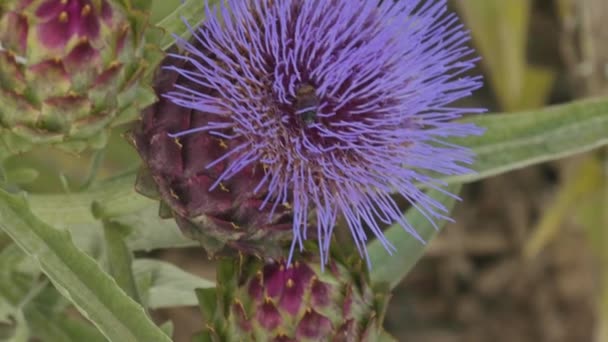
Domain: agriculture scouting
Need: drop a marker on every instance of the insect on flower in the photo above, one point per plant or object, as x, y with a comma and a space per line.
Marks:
306, 103
324, 109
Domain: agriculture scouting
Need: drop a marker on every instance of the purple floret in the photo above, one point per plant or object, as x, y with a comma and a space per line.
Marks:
62, 19
343, 103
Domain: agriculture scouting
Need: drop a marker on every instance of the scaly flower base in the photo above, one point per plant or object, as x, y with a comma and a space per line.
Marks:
269, 301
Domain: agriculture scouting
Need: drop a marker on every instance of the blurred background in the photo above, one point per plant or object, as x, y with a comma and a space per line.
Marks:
527, 257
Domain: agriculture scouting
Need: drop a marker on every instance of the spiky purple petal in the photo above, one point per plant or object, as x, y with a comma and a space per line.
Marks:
342, 102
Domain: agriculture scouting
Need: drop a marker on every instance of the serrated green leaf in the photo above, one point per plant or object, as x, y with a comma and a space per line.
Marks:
167, 285
391, 269
78, 277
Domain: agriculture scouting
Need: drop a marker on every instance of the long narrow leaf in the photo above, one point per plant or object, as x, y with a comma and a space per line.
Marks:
78, 277
522, 139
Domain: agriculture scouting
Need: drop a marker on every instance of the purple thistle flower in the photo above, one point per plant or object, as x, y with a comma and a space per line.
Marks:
342, 102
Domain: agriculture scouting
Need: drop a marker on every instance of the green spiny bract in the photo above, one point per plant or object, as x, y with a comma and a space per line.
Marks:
271, 301
70, 69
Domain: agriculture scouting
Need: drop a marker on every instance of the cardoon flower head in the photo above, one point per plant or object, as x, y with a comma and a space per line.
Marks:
331, 106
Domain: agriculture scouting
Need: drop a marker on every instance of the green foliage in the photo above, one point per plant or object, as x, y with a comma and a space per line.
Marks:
121, 203
165, 285
77, 276
55, 326
531, 137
